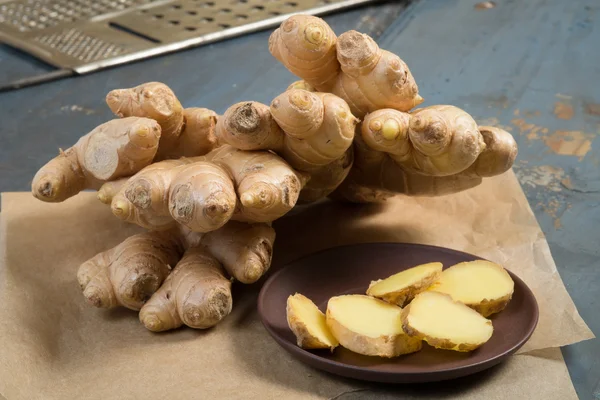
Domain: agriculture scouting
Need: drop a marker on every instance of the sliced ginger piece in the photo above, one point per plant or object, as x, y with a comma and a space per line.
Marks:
444, 323
402, 287
308, 324
369, 326
482, 285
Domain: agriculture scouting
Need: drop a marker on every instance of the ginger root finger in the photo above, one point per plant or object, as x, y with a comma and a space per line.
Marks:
196, 294
375, 177
327, 179
301, 85
245, 250
436, 140
319, 128
249, 126
306, 46
311, 131
373, 78
128, 274
151, 100
266, 185
112, 150
198, 136
350, 66
185, 132
202, 192
202, 196
110, 189
144, 198
499, 154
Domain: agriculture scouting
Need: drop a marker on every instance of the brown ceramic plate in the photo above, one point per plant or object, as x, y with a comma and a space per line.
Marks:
349, 269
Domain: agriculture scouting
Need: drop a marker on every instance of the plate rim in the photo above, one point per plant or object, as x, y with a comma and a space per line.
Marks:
388, 374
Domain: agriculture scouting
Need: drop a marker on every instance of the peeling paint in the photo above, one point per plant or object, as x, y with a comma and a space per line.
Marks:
548, 181
493, 121
531, 131
563, 96
76, 108
569, 143
531, 113
485, 5
592, 109
563, 110
544, 175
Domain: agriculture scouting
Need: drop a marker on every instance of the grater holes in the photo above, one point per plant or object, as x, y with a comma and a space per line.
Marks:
224, 26
224, 11
174, 22
206, 20
257, 8
176, 6
192, 12
190, 28
241, 17
290, 4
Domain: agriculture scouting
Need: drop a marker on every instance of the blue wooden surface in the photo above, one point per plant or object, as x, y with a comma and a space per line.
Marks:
532, 67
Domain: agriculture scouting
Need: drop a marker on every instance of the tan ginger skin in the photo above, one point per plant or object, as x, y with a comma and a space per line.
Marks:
350, 66
115, 149
197, 294
432, 151
313, 132
202, 192
129, 274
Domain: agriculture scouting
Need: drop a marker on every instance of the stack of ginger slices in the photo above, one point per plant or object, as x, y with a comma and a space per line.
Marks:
447, 309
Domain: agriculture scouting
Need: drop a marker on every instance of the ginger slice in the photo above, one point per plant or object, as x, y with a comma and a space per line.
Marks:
369, 326
482, 285
402, 287
444, 323
308, 324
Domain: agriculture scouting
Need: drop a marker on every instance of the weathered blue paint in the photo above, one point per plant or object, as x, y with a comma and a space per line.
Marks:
518, 58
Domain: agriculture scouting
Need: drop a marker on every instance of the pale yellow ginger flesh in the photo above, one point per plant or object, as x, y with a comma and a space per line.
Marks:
369, 326
402, 287
308, 324
482, 285
444, 323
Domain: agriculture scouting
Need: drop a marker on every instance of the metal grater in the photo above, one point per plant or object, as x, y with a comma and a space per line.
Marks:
87, 35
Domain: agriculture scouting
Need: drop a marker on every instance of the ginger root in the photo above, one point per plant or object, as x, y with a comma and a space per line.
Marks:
115, 149
308, 324
444, 323
185, 132
432, 151
202, 192
197, 293
313, 132
351, 66
369, 326
401, 288
128, 274
482, 285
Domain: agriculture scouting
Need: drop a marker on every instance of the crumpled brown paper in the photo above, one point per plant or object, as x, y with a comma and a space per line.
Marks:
55, 346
